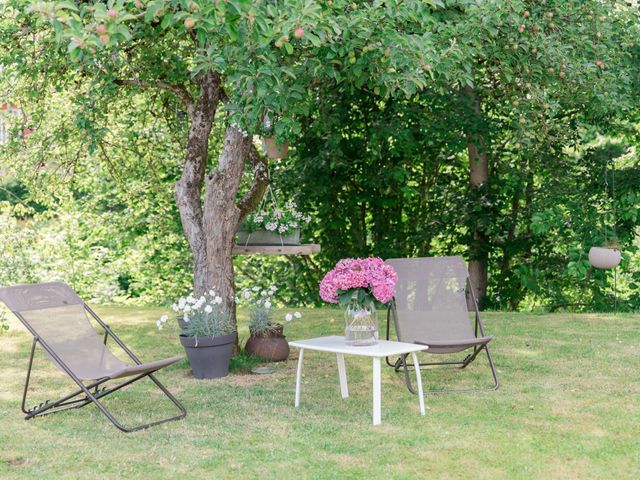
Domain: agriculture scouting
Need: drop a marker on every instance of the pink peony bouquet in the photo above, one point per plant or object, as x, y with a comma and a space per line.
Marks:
368, 278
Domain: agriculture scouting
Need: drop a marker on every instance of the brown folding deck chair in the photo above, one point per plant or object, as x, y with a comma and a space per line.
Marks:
431, 307
56, 317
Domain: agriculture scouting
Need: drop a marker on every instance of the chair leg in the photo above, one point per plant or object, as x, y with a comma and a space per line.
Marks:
407, 376
406, 367
496, 382
48, 408
471, 357
23, 406
120, 426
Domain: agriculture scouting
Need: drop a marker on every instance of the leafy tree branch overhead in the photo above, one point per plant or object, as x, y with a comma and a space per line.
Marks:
480, 100
255, 59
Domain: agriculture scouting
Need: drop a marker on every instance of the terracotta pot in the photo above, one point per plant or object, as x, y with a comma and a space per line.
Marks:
270, 345
601, 257
273, 149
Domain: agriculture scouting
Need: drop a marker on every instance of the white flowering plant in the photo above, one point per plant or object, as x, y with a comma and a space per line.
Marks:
282, 220
261, 304
203, 316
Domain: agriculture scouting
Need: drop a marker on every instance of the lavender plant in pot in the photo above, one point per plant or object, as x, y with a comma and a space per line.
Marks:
267, 339
206, 333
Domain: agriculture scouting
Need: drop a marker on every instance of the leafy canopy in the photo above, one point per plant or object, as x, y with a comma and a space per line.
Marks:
270, 55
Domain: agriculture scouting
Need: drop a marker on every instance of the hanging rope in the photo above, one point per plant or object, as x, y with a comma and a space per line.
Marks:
613, 208
606, 192
268, 193
613, 196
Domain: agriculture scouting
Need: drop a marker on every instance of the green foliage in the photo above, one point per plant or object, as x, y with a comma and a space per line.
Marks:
215, 324
4, 325
357, 296
261, 319
269, 55
376, 99
281, 219
261, 303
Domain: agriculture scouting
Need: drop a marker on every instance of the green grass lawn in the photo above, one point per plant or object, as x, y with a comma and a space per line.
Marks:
568, 407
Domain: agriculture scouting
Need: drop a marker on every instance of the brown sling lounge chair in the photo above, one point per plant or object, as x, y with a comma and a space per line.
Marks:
56, 317
431, 308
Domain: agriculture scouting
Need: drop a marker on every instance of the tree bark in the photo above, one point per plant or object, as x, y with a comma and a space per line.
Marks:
478, 178
222, 215
188, 190
210, 224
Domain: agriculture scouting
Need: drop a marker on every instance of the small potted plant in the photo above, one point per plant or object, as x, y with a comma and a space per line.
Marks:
279, 225
274, 146
274, 149
608, 256
206, 333
357, 284
266, 338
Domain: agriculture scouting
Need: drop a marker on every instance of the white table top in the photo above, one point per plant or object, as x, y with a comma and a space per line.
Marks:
335, 344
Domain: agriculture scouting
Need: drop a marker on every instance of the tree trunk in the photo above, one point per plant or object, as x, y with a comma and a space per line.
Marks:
478, 178
222, 215
188, 190
478, 255
210, 225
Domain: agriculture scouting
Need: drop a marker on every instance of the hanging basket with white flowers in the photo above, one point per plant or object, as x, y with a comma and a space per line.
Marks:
273, 224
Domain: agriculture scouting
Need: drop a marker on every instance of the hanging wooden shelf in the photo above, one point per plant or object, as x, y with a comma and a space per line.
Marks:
307, 249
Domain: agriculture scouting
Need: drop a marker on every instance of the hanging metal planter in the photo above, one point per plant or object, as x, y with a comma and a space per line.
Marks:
264, 237
275, 150
601, 257
608, 256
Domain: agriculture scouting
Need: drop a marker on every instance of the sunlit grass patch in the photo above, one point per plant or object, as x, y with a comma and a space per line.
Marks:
567, 408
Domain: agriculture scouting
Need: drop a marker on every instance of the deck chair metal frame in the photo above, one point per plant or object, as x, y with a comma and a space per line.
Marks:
401, 362
92, 391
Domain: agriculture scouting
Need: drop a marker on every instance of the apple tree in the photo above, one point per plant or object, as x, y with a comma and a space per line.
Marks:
238, 67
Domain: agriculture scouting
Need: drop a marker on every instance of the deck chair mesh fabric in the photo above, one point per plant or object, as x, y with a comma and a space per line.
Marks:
431, 307
57, 319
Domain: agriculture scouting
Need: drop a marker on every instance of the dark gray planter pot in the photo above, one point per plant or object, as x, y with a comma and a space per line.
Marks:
182, 324
209, 356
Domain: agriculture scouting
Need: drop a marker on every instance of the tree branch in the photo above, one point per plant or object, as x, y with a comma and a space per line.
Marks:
180, 91
260, 182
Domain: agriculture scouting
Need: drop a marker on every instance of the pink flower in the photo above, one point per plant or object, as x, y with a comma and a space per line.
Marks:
370, 274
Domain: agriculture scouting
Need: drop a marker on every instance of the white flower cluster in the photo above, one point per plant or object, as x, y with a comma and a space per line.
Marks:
290, 316
280, 220
263, 297
190, 305
261, 305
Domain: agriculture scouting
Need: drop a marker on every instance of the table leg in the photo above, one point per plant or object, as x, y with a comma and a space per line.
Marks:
299, 377
342, 373
418, 381
377, 391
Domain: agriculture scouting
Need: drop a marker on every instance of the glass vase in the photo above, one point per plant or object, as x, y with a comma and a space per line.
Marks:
360, 324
